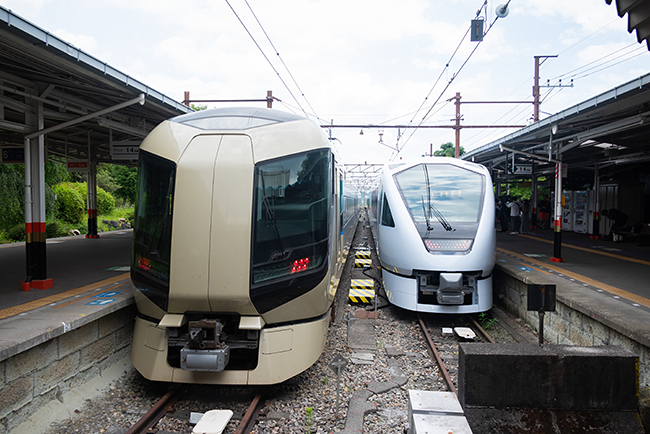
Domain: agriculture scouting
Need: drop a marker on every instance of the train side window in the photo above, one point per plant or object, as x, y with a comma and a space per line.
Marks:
386, 215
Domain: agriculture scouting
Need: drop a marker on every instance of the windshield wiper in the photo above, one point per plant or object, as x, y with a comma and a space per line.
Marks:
270, 216
445, 224
426, 215
431, 208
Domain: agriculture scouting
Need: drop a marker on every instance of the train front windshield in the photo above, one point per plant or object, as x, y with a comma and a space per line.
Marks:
153, 227
445, 203
290, 226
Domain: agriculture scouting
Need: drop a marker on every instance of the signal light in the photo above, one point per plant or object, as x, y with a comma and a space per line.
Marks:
299, 265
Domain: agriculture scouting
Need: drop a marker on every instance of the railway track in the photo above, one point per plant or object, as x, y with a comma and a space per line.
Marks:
445, 350
160, 408
146, 424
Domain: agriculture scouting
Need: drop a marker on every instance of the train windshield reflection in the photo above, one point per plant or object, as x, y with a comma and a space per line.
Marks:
290, 215
455, 193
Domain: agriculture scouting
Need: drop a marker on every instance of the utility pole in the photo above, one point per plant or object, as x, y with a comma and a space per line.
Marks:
536, 86
536, 101
457, 128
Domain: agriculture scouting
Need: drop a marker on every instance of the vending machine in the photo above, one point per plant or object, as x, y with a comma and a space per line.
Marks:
581, 211
567, 211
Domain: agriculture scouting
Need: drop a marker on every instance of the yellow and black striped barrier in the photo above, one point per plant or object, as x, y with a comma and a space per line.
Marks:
362, 263
362, 254
362, 290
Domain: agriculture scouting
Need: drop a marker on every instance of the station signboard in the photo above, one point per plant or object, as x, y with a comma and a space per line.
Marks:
13, 155
77, 165
125, 150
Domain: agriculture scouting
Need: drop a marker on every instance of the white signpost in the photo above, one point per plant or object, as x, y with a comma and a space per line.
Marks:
126, 150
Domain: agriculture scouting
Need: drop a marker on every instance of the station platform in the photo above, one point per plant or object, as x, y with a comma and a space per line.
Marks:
91, 280
621, 268
56, 343
602, 289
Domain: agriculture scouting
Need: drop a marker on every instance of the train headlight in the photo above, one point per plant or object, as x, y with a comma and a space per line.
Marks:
448, 245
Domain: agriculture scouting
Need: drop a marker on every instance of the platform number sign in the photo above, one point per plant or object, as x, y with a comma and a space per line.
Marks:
125, 150
13, 155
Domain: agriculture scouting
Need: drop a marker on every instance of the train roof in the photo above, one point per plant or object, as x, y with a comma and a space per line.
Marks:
399, 165
235, 118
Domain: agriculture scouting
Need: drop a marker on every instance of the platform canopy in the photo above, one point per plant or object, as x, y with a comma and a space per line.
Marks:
38, 67
608, 130
638, 17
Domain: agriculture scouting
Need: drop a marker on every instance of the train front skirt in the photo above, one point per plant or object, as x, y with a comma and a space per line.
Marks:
405, 292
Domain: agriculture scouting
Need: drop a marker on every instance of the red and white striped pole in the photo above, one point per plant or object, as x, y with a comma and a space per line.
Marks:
557, 221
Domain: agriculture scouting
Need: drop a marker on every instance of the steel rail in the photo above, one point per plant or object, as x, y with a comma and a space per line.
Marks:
157, 411
436, 355
481, 330
248, 421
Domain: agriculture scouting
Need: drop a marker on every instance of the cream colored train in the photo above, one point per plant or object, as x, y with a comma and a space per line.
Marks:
240, 237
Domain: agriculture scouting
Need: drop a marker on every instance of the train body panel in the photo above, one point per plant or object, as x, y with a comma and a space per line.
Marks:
237, 247
435, 235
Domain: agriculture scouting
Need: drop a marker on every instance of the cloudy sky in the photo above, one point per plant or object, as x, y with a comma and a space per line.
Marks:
365, 62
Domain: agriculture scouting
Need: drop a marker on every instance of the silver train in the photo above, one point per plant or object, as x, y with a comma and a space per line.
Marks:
433, 224
240, 237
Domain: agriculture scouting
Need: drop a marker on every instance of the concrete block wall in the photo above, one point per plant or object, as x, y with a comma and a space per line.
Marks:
31, 379
581, 318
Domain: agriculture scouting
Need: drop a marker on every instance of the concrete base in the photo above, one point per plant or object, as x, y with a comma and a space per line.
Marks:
557, 377
513, 388
516, 421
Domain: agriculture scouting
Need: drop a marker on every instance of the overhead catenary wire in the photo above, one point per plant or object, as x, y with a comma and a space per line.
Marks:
266, 57
597, 63
283, 64
424, 118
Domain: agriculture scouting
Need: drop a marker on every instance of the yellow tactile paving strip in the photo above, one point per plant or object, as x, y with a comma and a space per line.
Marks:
596, 284
6, 313
598, 252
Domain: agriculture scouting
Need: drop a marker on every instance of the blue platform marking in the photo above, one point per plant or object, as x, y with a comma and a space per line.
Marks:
107, 294
100, 302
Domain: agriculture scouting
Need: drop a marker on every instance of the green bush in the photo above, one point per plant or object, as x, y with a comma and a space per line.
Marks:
17, 232
52, 229
105, 202
4, 239
70, 205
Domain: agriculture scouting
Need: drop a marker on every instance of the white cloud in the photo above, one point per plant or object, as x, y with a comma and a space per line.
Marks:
357, 62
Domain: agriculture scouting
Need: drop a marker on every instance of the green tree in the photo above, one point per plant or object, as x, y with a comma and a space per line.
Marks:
448, 150
198, 107
126, 179
105, 178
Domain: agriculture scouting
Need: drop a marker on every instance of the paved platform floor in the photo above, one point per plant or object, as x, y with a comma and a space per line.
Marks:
621, 269
91, 280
